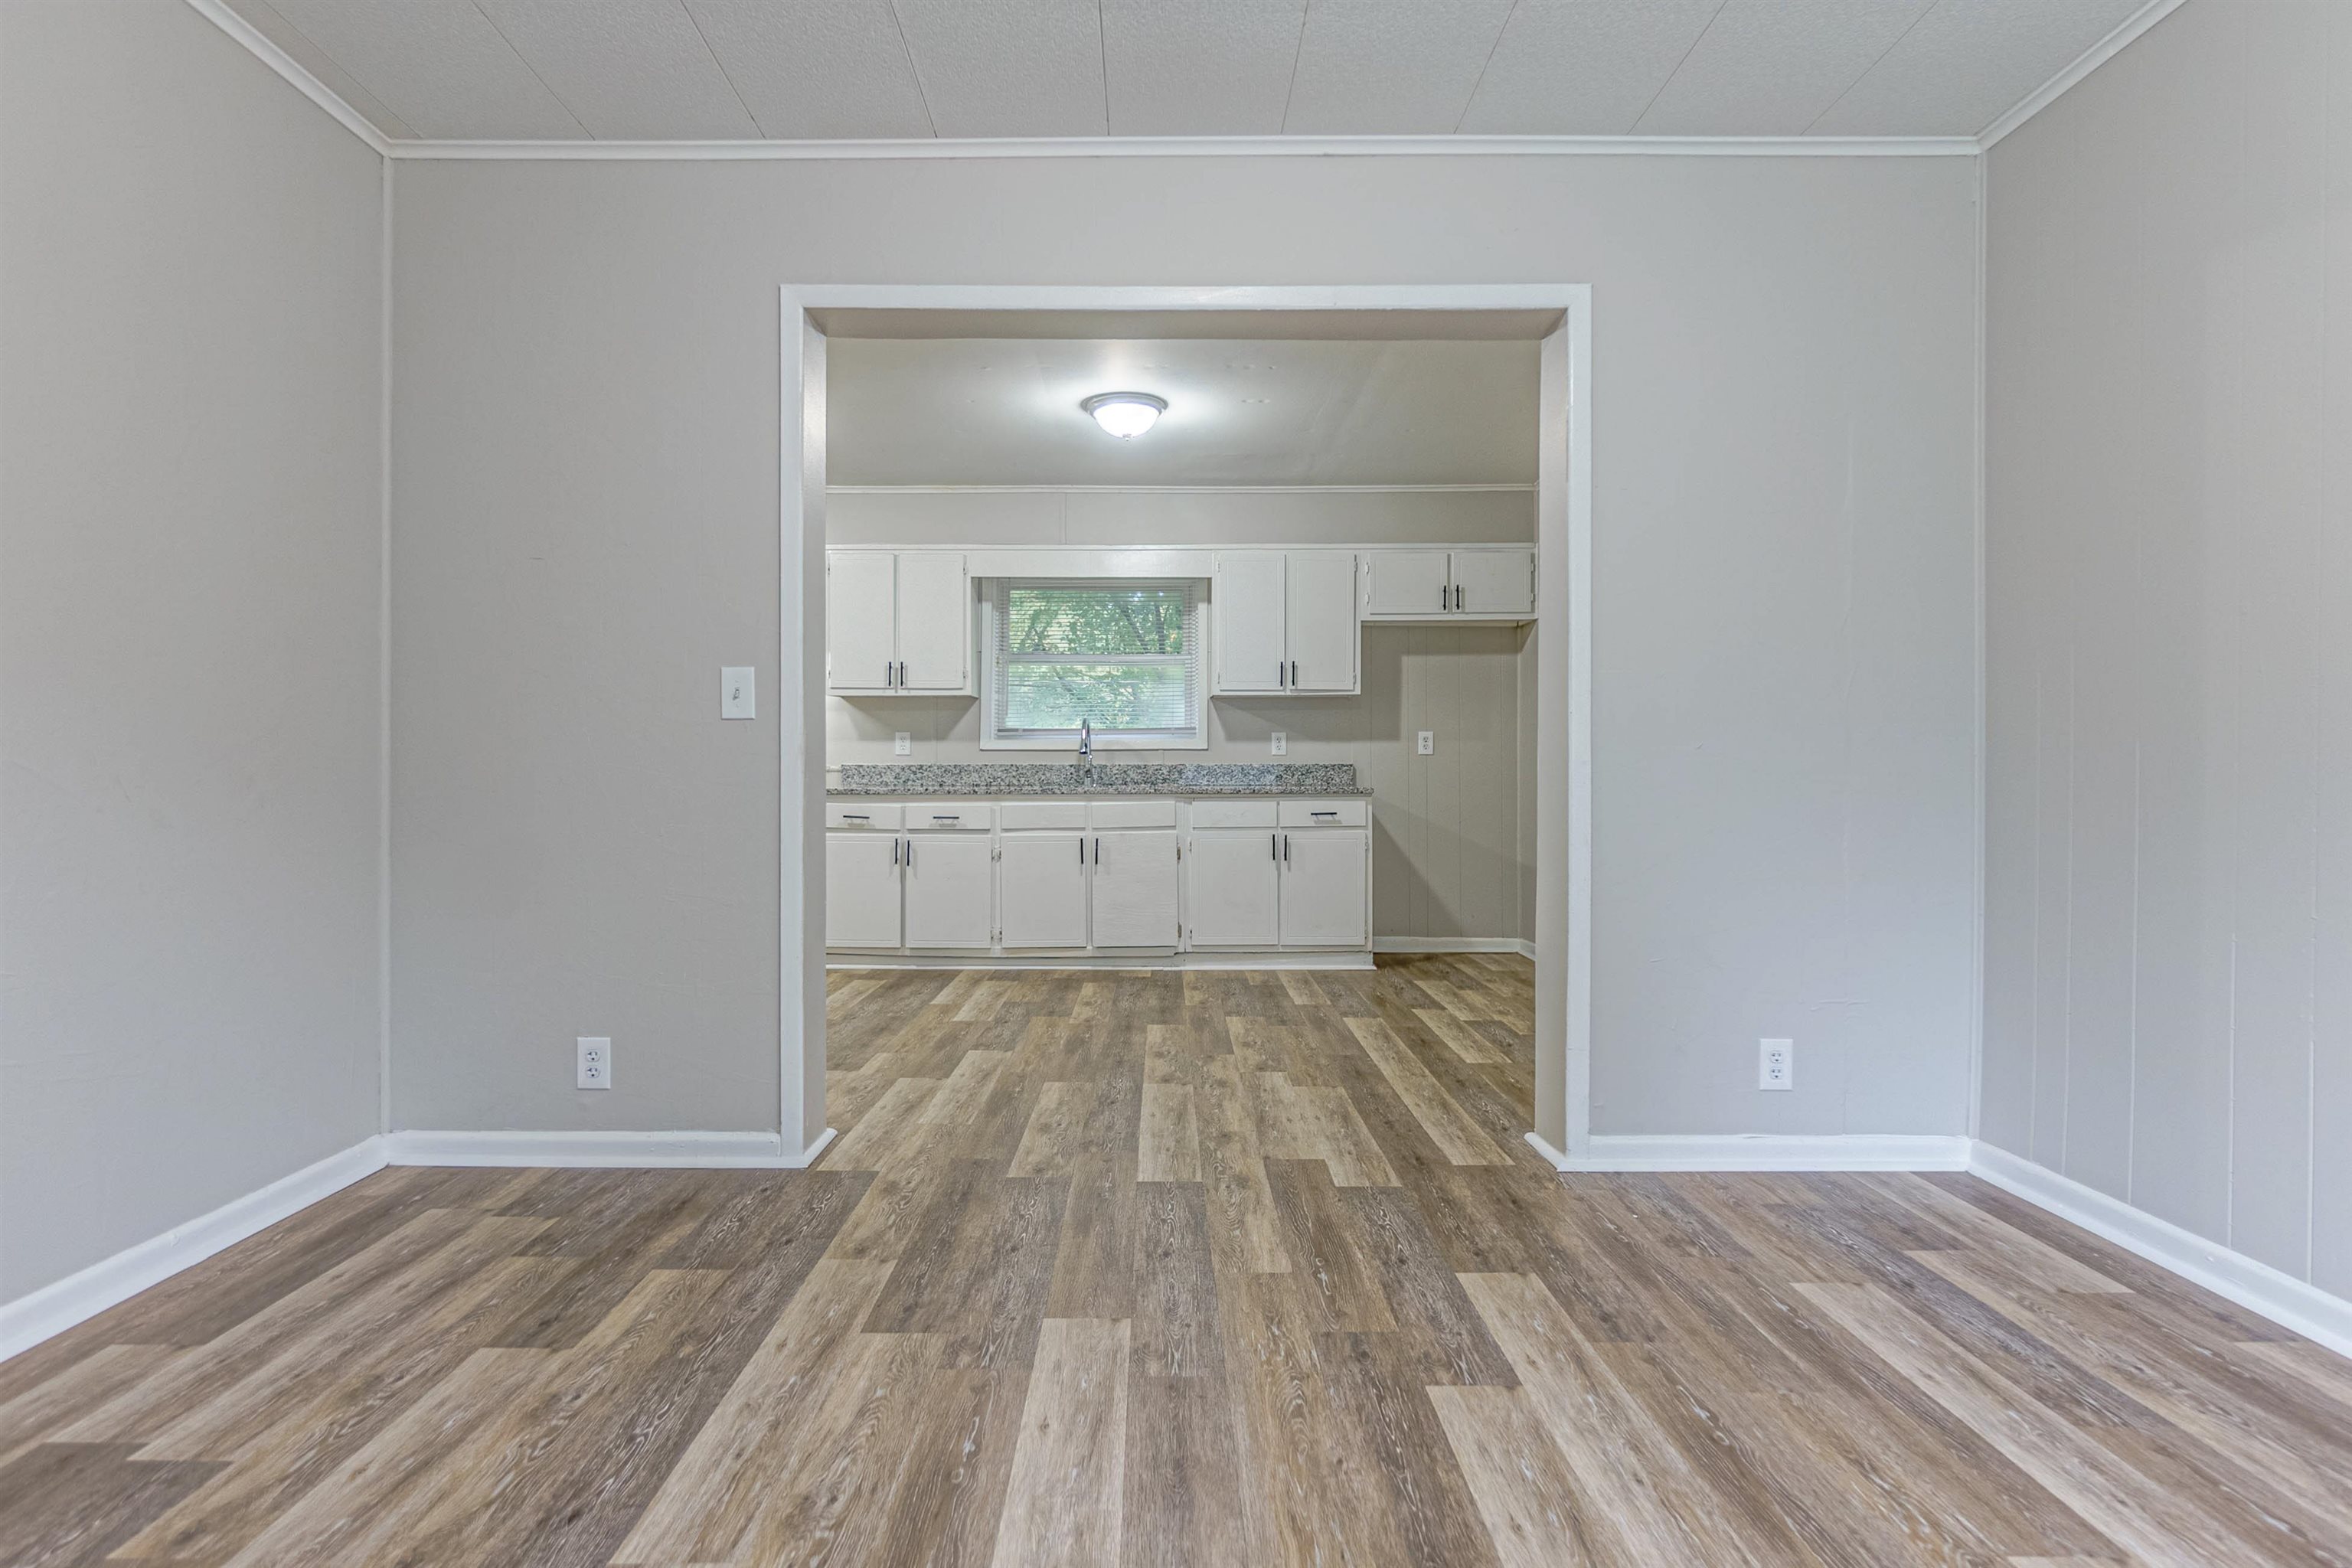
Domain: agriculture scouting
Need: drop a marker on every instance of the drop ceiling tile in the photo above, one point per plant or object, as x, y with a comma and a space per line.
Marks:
1968, 63
1008, 68
1582, 68
440, 65
334, 78
627, 69
1390, 67
1199, 68
1768, 67
816, 69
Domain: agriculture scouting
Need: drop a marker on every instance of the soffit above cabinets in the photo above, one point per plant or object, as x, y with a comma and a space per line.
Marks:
997, 411
924, 70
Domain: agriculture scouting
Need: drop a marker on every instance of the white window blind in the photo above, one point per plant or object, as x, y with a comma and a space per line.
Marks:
1124, 656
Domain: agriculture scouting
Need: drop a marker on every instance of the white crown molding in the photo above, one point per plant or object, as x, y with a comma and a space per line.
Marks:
2089, 60
1764, 1152
1204, 147
2256, 1286
1452, 146
285, 65
54, 1308
600, 1151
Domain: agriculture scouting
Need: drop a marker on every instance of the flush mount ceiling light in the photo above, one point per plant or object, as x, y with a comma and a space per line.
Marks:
1124, 415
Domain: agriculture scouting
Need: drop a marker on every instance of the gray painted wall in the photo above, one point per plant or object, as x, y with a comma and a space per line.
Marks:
1448, 860
190, 296
2168, 967
584, 480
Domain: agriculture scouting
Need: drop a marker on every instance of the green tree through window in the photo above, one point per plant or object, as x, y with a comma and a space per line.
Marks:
1120, 655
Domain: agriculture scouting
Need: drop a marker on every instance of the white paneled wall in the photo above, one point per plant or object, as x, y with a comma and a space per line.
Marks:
1453, 833
2168, 975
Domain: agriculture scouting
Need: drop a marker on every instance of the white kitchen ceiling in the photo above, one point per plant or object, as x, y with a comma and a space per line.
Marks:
1004, 411
728, 70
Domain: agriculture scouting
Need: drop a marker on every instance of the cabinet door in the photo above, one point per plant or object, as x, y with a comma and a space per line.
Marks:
1042, 888
950, 890
1494, 582
861, 889
1319, 617
1406, 583
1134, 890
1323, 873
934, 622
1246, 604
861, 626
1231, 889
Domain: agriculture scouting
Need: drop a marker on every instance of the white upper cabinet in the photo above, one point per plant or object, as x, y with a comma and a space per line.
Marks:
861, 620
1406, 583
897, 621
1245, 602
1285, 620
1492, 582
1495, 582
1319, 620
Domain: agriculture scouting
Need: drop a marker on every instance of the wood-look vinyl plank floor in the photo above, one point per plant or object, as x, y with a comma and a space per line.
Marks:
1159, 1268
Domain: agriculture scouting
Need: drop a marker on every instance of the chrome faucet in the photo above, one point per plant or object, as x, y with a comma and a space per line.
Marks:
1085, 738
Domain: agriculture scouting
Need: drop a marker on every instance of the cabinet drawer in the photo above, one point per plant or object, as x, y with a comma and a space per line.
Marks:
1232, 813
948, 817
889, 818
1133, 814
1020, 816
1322, 814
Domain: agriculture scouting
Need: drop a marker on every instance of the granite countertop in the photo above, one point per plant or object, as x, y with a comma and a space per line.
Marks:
973, 779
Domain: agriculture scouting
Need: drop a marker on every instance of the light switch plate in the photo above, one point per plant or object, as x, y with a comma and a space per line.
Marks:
1282, 743
736, 697
902, 743
1427, 744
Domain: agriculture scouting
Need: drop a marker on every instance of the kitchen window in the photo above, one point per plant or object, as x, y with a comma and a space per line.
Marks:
1124, 656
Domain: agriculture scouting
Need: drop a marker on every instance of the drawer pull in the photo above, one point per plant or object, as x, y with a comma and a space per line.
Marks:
1322, 814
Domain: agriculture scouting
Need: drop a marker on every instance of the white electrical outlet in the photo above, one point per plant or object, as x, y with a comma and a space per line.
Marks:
1775, 1064
1427, 744
736, 697
594, 1063
902, 743
1281, 743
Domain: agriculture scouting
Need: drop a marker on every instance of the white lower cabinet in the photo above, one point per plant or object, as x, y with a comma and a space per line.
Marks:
1236, 888
1130, 878
1326, 874
1136, 891
951, 880
1042, 890
861, 889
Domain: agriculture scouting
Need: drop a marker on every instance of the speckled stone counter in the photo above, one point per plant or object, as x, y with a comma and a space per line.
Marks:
989, 779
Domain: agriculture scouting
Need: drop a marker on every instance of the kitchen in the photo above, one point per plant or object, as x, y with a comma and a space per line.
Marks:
1179, 651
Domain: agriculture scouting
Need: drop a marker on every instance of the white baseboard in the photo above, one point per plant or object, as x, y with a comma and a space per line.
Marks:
613, 1150
1454, 944
1764, 1152
54, 1308
2280, 1296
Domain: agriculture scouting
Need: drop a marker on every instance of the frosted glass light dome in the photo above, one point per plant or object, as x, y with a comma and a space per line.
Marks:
1124, 415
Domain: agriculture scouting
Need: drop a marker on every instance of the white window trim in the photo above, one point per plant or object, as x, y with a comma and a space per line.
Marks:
1196, 626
